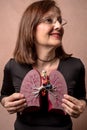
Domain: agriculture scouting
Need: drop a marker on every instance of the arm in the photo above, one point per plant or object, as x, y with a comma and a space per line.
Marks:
75, 105
13, 102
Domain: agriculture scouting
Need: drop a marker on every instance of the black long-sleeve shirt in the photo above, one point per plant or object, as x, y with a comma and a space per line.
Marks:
74, 73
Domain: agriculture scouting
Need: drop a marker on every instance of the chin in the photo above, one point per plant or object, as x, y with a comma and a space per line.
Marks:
57, 44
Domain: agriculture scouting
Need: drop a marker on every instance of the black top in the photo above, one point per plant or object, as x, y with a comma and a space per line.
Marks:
74, 74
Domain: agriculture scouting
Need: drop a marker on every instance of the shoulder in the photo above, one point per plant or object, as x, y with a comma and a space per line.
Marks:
73, 60
9, 63
16, 70
13, 65
73, 63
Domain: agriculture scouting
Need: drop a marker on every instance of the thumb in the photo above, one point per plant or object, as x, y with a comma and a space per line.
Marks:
15, 96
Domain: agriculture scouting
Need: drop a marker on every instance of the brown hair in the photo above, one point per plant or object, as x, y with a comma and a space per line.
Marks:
25, 48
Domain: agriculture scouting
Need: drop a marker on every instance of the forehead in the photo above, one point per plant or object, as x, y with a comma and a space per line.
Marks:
53, 12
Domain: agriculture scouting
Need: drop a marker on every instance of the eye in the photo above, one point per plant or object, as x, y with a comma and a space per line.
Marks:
60, 20
48, 20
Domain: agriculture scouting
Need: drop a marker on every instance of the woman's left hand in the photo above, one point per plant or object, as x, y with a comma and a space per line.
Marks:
74, 107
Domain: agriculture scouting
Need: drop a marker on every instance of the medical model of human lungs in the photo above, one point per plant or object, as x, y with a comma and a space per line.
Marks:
36, 86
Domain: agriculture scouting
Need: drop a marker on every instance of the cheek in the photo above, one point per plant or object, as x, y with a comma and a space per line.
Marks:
41, 33
41, 29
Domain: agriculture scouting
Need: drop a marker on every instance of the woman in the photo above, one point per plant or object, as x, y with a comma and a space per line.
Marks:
39, 46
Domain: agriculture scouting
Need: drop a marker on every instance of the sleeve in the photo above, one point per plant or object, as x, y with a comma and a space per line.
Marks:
7, 86
80, 91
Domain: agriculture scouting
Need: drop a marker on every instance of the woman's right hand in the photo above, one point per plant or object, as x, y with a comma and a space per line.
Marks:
14, 103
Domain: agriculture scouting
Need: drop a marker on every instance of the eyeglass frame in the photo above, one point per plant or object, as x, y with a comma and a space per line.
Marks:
44, 20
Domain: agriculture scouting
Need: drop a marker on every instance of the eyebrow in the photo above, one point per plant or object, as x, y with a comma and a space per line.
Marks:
52, 16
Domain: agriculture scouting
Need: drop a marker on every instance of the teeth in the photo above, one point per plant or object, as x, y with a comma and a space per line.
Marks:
56, 34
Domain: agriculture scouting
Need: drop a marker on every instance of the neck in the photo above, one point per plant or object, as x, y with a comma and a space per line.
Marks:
45, 54
48, 60
47, 66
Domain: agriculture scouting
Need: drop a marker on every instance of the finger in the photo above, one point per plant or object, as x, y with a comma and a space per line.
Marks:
77, 104
70, 111
70, 104
71, 99
12, 110
15, 103
15, 96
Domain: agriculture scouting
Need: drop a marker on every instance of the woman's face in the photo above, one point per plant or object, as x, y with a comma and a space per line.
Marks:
49, 31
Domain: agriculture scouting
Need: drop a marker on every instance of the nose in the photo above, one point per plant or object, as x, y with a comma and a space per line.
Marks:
57, 25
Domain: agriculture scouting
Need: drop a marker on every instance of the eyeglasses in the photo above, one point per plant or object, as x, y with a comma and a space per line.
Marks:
52, 20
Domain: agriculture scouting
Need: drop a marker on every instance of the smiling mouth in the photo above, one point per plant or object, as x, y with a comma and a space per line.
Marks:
56, 35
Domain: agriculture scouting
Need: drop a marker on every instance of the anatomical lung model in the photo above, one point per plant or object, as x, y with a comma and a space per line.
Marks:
36, 86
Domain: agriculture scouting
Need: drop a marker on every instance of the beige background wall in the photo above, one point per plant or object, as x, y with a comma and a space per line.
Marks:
75, 41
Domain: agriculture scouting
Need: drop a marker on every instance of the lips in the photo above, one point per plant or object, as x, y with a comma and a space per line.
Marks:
56, 35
